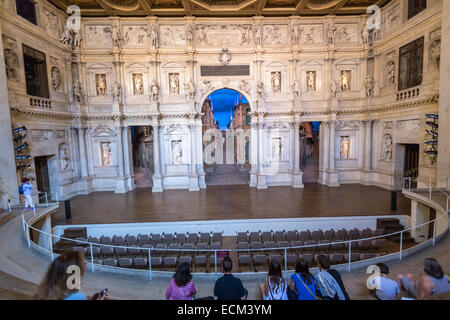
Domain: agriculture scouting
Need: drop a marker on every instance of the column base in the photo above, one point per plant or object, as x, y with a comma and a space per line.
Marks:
157, 184
297, 180
253, 180
85, 185
121, 185
262, 182
193, 183
333, 179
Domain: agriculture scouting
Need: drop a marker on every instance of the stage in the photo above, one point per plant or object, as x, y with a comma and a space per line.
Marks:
231, 203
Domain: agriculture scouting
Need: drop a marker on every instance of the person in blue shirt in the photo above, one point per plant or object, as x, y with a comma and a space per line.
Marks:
303, 282
27, 188
63, 279
385, 288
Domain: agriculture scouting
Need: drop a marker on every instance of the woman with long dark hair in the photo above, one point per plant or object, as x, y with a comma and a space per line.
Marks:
181, 287
303, 281
433, 282
275, 287
63, 278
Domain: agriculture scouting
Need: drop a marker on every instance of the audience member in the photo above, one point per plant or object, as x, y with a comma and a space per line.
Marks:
229, 287
433, 282
60, 282
303, 282
328, 286
275, 287
385, 288
181, 287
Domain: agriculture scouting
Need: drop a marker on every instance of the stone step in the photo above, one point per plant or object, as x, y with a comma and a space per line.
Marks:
73, 233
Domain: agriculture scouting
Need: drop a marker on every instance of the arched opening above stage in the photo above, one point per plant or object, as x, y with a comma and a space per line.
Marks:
225, 111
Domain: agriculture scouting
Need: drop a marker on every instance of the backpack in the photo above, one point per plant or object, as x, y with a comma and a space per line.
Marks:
21, 189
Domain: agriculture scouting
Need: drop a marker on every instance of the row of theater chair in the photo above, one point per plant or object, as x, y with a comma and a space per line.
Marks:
257, 261
156, 238
317, 235
205, 263
376, 245
136, 250
200, 263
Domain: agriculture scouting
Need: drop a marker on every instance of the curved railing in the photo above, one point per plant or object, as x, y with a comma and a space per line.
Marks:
49, 197
282, 250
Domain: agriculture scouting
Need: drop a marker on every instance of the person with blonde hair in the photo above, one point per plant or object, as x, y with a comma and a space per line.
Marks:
61, 283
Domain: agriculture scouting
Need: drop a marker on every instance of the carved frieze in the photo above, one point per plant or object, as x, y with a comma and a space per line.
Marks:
98, 37
225, 35
172, 36
275, 34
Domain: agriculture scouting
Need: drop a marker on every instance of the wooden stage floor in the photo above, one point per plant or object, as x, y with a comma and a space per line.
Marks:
231, 202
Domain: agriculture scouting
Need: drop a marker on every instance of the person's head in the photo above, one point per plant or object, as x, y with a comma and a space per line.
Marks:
275, 268
227, 265
183, 274
433, 268
24, 180
384, 269
59, 281
324, 262
302, 267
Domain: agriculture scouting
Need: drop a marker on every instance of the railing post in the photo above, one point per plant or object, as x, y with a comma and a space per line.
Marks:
149, 264
430, 188
46, 199
434, 232
92, 258
51, 245
285, 260
28, 236
401, 244
349, 256
215, 261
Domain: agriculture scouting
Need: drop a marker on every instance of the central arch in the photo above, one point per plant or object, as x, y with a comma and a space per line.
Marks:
226, 112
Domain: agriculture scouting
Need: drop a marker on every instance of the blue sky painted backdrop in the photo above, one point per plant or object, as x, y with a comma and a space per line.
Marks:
223, 102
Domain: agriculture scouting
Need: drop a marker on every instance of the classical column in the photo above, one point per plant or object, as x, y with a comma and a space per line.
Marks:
323, 153
362, 141
261, 176
75, 158
89, 152
332, 142
83, 153
157, 180
193, 177
8, 174
199, 151
120, 152
253, 151
368, 146
297, 174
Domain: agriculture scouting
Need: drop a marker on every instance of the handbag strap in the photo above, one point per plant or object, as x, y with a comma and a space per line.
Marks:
307, 288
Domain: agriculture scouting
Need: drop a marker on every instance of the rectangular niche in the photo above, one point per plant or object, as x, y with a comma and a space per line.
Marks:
138, 84
345, 148
106, 154
174, 83
177, 151
100, 84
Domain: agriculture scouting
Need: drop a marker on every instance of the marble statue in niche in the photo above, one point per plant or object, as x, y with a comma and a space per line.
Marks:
77, 91
261, 92
154, 37
370, 85
138, 84
63, 156
174, 83
296, 89
56, 78
276, 82
106, 152
435, 54
345, 147
344, 83
189, 87
391, 72
331, 33
11, 63
100, 82
311, 81
154, 89
177, 152
277, 149
117, 89
387, 147
259, 36
76, 38
365, 35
